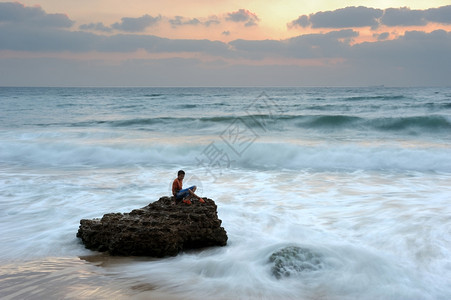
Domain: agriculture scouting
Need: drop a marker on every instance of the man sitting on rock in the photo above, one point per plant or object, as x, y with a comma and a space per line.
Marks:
183, 194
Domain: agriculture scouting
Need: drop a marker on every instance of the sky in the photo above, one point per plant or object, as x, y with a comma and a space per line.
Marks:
225, 43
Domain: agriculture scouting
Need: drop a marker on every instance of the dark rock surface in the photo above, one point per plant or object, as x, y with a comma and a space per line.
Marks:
162, 228
294, 260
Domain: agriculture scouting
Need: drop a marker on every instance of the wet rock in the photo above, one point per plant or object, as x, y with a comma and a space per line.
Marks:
162, 228
294, 260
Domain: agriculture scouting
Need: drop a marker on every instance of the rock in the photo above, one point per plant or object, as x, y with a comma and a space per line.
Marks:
162, 228
294, 260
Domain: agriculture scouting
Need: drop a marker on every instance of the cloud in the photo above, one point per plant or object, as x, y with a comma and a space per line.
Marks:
16, 13
136, 24
302, 21
364, 16
406, 17
127, 24
330, 45
44, 39
341, 18
142, 23
128, 43
426, 54
180, 21
397, 62
439, 15
415, 58
243, 16
37, 39
96, 27
382, 36
212, 21
403, 17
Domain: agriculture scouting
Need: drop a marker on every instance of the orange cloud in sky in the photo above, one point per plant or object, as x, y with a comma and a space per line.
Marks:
248, 38
267, 19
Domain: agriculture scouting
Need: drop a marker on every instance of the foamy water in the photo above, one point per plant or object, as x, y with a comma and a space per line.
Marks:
377, 236
328, 211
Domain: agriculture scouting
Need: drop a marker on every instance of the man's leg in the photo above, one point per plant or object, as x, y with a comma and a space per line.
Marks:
194, 195
183, 195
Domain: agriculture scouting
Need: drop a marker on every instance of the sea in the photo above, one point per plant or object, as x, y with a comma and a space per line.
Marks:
325, 193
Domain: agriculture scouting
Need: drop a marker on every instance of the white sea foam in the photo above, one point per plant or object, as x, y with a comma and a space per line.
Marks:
382, 232
368, 205
259, 155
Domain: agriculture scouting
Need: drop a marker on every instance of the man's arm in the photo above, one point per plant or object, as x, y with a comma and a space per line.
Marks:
174, 188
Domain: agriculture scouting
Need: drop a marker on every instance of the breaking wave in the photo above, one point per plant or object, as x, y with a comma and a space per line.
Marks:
259, 155
409, 125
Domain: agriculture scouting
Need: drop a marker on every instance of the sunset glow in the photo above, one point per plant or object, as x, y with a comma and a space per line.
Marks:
263, 33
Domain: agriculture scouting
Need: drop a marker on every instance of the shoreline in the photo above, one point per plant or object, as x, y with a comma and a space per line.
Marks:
73, 278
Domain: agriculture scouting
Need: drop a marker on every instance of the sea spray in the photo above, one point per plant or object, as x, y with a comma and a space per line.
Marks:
358, 178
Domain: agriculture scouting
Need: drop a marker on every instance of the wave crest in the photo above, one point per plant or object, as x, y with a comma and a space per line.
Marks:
259, 156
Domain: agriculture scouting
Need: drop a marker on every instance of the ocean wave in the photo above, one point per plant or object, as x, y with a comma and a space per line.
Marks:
346, 156
69, 153
134, 122
155, 95
327, 121
424, 122
387, 97
115, 123
446, 105
259, 155
410, 125
339, 122
187, 106
132, 106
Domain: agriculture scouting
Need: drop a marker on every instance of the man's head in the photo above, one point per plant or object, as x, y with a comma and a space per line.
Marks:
180, 174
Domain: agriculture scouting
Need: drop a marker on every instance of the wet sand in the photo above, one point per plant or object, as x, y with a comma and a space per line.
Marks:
73, 278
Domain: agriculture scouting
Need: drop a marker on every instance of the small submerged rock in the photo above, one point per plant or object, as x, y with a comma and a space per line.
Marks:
162, 228
293, 260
